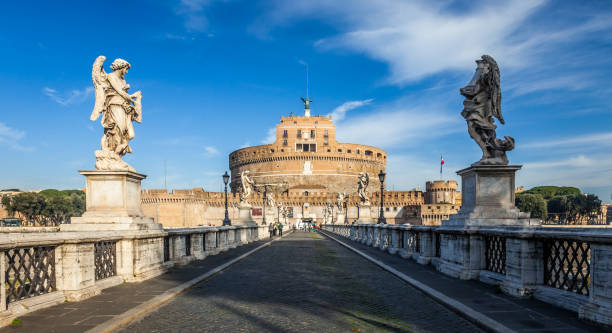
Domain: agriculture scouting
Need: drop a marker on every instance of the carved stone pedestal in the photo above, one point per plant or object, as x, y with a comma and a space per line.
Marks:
488, 198
340, 218
112, 203
365, 215
245, 217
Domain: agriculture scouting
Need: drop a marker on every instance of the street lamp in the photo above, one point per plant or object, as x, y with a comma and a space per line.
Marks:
265, 198
226, 220
381, 217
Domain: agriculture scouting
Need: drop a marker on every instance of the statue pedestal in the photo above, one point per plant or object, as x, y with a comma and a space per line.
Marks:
488, 198
112, 203
365, 214
340, 219
245, 217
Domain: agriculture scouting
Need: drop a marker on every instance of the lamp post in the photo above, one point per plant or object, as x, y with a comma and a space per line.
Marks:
265, 198
381, 217
226, 220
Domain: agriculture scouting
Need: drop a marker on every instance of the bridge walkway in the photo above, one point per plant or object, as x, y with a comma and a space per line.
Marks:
303, 283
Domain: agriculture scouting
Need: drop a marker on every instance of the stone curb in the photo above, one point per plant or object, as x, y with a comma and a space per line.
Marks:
470, 314
143, 309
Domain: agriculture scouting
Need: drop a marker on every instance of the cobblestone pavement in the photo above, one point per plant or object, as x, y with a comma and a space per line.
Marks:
303, 283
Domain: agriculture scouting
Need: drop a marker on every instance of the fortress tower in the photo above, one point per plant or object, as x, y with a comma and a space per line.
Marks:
306, 156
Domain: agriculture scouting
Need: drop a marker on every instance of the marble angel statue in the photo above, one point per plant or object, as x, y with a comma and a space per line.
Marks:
362, 190
481, 105
118, 109
247, 187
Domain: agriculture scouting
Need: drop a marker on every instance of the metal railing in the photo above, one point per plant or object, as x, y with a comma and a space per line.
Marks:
30, 271
105, 259
495, 254
567, 265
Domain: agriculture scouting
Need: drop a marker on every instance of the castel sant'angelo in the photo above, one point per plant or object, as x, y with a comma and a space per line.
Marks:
303, 170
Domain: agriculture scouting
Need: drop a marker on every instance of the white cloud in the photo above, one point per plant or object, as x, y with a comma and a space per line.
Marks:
589, 139
390, 127
193, 13
271, 137
420, 38
210, 151
340, 112
73, 97
10, 137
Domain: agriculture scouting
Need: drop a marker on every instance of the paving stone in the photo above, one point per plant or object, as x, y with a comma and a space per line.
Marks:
303, 283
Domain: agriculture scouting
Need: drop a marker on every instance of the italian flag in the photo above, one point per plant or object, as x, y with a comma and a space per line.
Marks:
441, 164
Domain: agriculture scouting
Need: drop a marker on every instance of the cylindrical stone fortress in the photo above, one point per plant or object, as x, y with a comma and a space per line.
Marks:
306, 155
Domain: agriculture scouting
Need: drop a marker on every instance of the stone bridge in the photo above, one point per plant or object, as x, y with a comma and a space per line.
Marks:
344, 278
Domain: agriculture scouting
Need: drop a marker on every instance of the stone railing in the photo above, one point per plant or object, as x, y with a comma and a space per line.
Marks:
570, 268
44, 266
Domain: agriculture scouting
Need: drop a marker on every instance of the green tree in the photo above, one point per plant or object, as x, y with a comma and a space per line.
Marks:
548, 192
57, 209
7, 202
532, 203
30, 205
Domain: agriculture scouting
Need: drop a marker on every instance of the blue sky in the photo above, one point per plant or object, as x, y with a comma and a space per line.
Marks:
217, 76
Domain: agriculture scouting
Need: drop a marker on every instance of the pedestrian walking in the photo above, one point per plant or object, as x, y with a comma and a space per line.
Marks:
280, 230
271, 229
275, 229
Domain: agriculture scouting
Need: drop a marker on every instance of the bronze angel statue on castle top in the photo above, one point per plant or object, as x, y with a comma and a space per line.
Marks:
482, 103
118, 109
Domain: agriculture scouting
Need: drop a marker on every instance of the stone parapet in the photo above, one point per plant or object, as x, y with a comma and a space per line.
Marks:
569, 268
76, 265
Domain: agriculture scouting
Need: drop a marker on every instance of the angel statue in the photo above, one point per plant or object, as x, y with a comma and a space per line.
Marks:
270, 199
482, 103
247, 187
362, 190
340, 199
118, 109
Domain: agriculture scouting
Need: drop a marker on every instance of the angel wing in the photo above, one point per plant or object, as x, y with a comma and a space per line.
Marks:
98, 77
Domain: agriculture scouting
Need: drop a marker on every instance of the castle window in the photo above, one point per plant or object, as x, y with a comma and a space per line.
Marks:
379, 155
325, 142
329, 150
339, 150
387, 209
358, 151
312, 133
298, 147
282, 150
325, 133
271, 150
368, 153
284, 143
395, 209
285, 134
349, 151
299, 133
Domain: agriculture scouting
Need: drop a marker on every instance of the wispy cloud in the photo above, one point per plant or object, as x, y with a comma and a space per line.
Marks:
400, 125
193, 11
73, 97
210, 151
340, 111
10, 138
589, 139
271, 137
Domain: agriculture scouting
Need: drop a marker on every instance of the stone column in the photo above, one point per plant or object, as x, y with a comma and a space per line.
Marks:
427, 247
77, 280
599, 308
524, 267
394, 247
211, 242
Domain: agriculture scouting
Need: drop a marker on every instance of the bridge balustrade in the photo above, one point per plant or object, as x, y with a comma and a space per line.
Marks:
570, 268
44, 266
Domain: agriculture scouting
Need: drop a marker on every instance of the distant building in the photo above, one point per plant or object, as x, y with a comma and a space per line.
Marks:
305, 167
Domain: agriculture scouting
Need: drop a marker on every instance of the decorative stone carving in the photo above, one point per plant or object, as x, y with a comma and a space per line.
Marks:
340, 199
270, 200
362, 190
482, 103
247, 188
118, 109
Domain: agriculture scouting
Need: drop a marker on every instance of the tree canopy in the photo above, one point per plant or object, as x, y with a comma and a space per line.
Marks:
48, 207
548, 192
532, 203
